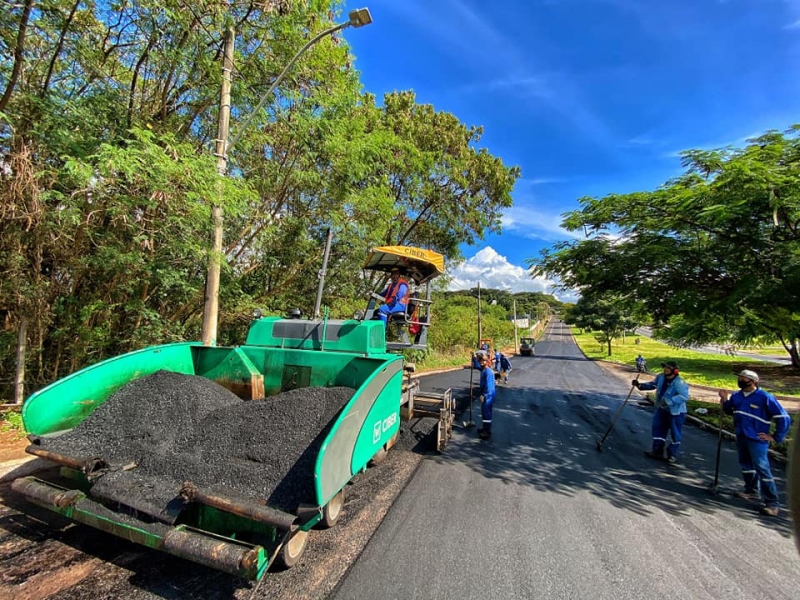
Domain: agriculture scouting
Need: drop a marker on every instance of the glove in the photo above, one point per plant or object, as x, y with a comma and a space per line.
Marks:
483, 398
635, 383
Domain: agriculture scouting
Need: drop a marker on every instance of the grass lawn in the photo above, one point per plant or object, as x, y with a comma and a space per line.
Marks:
714, 370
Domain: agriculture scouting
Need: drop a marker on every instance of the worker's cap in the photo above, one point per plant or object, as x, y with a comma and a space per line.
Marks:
748, 374
394, 270
671, 364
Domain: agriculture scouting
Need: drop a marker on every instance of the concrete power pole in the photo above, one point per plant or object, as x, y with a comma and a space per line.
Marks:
516, 338
480, 327
19, 379
211, 304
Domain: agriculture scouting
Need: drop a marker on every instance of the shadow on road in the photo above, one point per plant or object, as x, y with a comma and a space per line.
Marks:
546, 438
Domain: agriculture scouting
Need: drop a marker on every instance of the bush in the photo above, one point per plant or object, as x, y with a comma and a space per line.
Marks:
11, 420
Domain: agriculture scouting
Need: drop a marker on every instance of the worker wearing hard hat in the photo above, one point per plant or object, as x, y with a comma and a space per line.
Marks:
753, 411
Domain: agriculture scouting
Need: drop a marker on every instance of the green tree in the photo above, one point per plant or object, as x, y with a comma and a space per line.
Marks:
608, 315
713, 255
107, 124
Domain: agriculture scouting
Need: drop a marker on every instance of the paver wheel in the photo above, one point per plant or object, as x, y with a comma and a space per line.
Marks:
292, 550
379, 457
332, 511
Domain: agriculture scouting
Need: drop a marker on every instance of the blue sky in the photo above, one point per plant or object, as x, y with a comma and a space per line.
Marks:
588, 97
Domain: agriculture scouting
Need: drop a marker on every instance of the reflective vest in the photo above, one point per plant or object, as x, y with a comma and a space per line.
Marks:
393, 288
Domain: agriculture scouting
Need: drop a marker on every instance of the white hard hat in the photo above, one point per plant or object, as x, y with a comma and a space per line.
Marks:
748, 374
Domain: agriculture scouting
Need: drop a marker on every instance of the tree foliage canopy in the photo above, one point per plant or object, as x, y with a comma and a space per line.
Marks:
108, 119
712, 255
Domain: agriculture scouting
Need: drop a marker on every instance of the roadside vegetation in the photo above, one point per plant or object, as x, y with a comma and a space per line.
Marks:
713, 370
11, 423
108, 118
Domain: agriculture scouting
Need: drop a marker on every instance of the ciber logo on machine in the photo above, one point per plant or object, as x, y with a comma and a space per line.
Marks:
382, 426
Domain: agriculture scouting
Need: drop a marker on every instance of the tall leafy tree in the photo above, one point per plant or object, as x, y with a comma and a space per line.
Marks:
713, 255
609, 315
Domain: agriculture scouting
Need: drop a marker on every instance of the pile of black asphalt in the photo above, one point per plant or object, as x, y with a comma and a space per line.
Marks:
176, 428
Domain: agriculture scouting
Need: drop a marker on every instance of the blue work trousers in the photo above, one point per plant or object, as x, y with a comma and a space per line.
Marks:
754, 460
385, 310
665, 422
486, 413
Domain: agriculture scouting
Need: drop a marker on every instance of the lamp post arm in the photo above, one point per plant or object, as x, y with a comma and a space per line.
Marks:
278, 79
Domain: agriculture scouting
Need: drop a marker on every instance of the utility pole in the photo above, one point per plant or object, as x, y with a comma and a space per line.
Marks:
356, 18
211, 304
480, 328
516, 339
19, 379
323, 272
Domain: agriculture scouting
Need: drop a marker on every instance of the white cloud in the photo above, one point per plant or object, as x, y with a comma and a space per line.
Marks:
523, 86
641, 140
540, 181
537, 223
493, 271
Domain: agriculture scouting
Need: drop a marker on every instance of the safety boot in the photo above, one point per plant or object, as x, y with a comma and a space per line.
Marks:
749, 495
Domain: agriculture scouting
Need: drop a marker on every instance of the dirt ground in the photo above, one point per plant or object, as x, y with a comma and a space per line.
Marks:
12, 446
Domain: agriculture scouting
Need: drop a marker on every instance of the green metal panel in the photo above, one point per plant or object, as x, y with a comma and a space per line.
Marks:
346, 451
68, 401
290, 368
359, 337
221, 363
383, 419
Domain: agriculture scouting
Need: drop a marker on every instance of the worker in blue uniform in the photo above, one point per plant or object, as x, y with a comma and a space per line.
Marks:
672, 394
487, 396
753, 411
394, 297
503, 365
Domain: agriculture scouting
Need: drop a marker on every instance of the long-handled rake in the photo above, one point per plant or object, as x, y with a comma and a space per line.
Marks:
713, 489
602, 440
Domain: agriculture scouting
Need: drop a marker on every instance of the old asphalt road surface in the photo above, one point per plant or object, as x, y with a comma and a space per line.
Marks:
538, 513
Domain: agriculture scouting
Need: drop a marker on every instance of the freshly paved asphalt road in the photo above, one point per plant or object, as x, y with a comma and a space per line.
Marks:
538, 512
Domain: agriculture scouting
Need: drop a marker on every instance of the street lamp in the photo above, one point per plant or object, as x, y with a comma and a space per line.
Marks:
356, 18
360, 17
